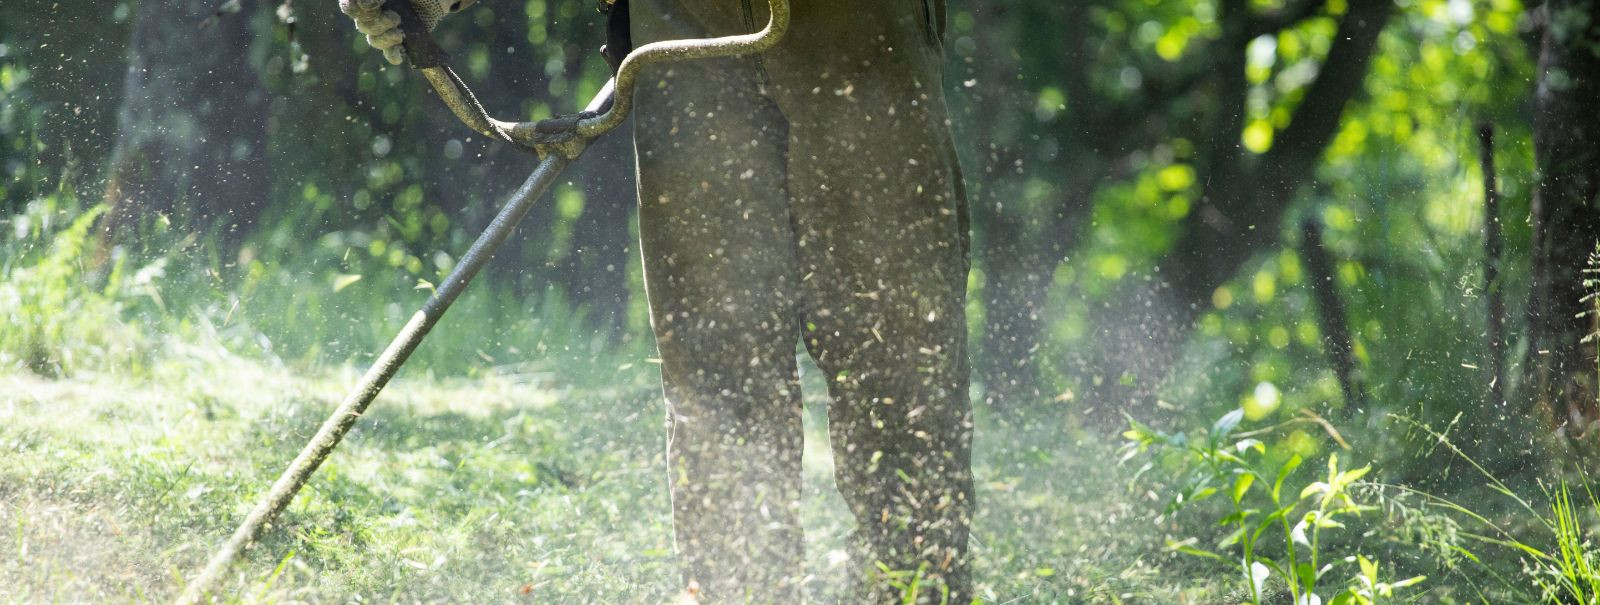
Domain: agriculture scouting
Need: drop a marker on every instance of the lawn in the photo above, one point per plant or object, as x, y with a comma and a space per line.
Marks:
544, 487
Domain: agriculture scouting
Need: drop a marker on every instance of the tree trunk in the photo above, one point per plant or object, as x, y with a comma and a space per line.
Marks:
1332, 320
192, 125
1016, 283
473, 180
1241, 211
1242, 206
1566, 214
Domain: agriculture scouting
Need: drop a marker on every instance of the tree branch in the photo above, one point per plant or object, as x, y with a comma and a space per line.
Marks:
1240, 213
1284, 18
1331, 315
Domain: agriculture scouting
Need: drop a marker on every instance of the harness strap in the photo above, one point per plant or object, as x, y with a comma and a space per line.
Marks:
619, 33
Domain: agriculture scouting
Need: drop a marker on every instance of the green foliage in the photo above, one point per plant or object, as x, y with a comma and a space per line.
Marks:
67, 307
54, 322
1225, 461
1591, 295
1554, 544
1572, 573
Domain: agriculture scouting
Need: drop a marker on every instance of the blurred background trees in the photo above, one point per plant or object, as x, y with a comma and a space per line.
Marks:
1167, 195
1566, 214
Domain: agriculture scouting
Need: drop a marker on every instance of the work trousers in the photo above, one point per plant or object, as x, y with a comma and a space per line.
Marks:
811, 192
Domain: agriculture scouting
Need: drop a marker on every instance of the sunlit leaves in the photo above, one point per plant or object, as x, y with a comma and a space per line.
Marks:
1171, 43
1051, 102
1265, 533
1262, 401
1257, 136
344, 280
1175, 177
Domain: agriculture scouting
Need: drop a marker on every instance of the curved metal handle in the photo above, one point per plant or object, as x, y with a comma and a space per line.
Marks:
425, 54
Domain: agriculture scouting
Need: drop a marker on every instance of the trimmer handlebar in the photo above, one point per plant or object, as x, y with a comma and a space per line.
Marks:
425, 54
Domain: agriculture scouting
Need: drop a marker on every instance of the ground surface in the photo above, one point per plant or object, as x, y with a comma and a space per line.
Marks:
521, 488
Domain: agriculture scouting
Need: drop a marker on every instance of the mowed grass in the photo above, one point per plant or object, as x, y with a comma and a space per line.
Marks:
546, 487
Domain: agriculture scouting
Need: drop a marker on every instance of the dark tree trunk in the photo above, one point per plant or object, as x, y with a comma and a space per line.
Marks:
1013, 287
472, 184
1242, 205
1241, 211
192, 125
1016, 282
1493, 284
1566, 213
1331, 317
60, 117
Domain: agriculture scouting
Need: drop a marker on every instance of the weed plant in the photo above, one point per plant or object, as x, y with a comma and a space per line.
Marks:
1224, 461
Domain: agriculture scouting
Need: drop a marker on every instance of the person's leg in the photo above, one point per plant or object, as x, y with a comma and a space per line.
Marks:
720, 270
880, 214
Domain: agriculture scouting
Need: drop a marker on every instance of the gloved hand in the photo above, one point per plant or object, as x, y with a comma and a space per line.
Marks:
382, 27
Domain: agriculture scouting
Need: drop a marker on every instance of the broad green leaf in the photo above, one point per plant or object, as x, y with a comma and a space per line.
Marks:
1313, 489
1241, 485
1306, 575
1411, 581
1231, 539
1225, 425
1187, 547
1283, 473
1350, 476
1237, 517
1227, 456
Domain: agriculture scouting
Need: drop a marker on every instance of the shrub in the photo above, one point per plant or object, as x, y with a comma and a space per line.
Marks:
1261, 512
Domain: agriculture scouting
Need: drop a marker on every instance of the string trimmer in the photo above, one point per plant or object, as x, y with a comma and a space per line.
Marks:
558, 142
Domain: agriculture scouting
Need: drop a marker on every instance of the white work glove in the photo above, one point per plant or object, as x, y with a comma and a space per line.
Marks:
382, 27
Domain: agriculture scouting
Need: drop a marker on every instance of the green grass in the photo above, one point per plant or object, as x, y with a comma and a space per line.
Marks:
466, 491
143, 411
500, 488
517, 458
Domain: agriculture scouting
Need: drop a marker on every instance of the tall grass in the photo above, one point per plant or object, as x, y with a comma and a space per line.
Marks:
1558, 555
54, 321
68, 305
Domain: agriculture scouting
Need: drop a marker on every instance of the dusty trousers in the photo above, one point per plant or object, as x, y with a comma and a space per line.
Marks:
811, 192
